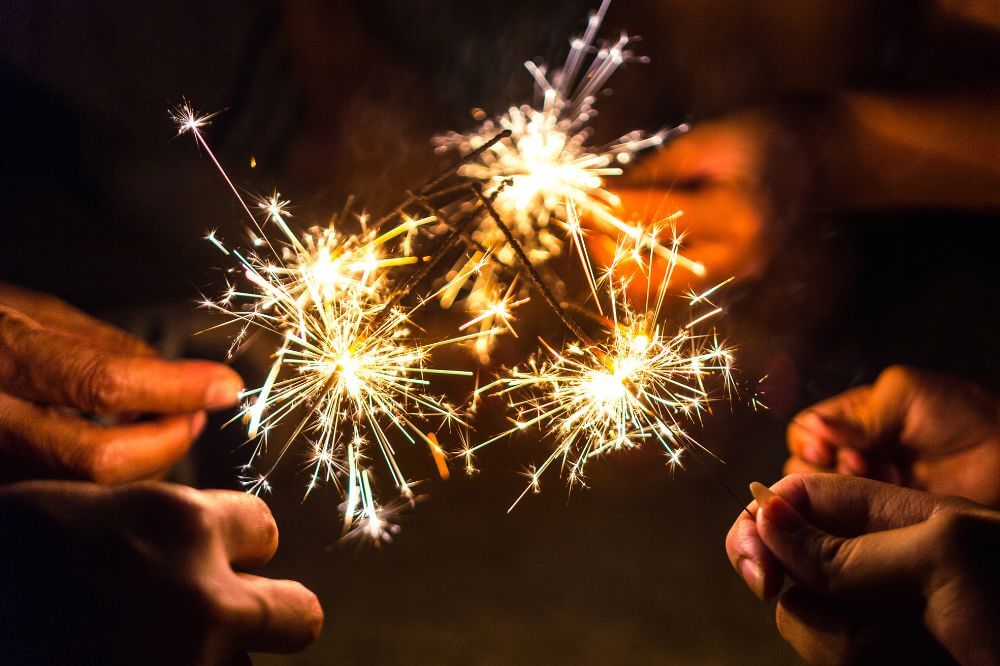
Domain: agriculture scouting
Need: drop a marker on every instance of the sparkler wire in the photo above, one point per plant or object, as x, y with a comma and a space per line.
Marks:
426, 188
530, 271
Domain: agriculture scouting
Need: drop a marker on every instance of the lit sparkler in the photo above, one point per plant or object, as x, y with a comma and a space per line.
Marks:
545, 174
642, 382
349, 377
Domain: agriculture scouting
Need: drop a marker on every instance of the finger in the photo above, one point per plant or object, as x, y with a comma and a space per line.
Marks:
248, 530
279, 615
42, 442
705, 151
862, 566
816, 433
58, 315
49, 367
798, 466
852, 462
824, 631
752, 560
645, 205
722, 229
848, 506
863, 418
644, 274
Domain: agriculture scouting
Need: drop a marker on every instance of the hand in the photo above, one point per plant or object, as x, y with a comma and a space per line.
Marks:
911, 427
879, 570
740, 182
142, 573
56, 361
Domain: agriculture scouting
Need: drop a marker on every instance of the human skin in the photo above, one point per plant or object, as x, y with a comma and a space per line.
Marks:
879, 570
745, 181
143, 573
910, 427
57, 364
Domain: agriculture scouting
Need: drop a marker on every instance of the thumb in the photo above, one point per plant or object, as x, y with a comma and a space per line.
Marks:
851, 426
839, 567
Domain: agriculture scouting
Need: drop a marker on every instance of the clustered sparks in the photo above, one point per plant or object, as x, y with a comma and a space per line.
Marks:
545, 174
349, 376
641, 382
352, 379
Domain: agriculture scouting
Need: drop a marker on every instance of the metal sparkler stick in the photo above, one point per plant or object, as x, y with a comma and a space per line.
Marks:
530, 271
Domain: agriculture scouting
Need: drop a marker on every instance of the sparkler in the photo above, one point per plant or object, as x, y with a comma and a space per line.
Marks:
641, 382
349, 376
546, 176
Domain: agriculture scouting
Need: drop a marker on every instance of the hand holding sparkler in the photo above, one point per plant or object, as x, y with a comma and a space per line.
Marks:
348, 376
915, 580
545, 178
740, 185
54, 357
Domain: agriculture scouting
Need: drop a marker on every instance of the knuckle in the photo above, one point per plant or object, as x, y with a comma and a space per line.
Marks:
785, 620
897, 375
87, 460
204, 603
100, 385
93, 459
195, 521
794, 482
11, 320
960, 533
14, 331
179, 513
832, 556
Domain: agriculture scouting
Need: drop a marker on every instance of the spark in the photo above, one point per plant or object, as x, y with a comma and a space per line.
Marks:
353, 388
349, 381
546, 176
643, 381
191, 122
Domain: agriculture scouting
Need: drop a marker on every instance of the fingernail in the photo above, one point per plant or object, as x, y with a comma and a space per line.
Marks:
198, 423
753, 575
783, 515
761, 493
816, 454
223, 392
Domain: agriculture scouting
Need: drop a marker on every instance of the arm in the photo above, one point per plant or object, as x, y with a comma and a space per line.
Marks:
933, 151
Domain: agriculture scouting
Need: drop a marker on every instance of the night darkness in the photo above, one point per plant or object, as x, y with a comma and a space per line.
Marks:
104, 208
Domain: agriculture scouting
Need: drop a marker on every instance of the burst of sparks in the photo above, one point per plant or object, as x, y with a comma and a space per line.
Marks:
545, 174
644, 381
346, 383
348, 378
343, 265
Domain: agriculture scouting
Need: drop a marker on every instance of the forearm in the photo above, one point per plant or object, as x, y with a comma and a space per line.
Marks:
941, 151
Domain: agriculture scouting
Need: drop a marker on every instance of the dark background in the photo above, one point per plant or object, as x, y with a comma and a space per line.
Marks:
103, 207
